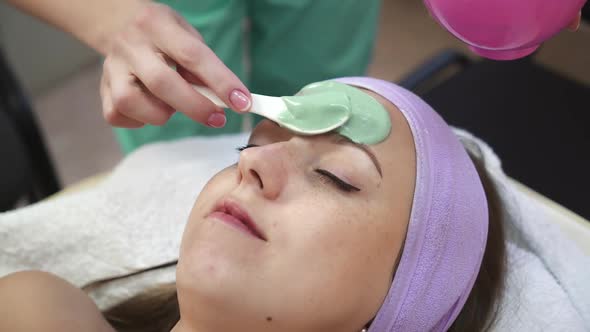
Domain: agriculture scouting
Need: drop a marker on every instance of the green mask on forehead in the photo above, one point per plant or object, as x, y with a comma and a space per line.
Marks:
368, 122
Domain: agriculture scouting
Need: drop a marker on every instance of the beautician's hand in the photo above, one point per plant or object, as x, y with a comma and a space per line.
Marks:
575, 24
148, 69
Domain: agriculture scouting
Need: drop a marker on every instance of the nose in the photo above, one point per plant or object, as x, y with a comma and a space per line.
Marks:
264, 169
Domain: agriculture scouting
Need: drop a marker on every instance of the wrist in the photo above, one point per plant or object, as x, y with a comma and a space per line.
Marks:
115, 17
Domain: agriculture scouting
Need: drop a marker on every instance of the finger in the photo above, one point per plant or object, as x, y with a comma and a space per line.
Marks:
186, 26
188, 76
121, 121
185, 74
113, 118
167, 85
194, 56
132, 101
575, 24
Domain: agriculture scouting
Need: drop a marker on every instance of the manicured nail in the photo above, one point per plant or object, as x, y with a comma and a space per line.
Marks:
575, 24
216, 120
239, 100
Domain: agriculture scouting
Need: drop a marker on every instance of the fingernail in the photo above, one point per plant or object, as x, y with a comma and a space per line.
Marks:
216, 120
575, 24
239, 100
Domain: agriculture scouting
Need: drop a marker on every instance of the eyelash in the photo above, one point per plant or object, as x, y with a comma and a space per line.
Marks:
344, 186
244, 147
339, 183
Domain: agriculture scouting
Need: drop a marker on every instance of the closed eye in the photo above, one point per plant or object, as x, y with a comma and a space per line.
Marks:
244, 147
339, 183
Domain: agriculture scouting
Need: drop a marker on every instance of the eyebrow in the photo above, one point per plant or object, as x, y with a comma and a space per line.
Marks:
339, 139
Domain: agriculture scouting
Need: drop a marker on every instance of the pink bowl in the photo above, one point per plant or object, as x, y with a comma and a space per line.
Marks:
504, 29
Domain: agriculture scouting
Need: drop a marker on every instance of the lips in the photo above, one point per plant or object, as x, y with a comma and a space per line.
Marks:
232, 213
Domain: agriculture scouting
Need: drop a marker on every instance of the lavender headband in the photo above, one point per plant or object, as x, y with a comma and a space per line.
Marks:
448, 226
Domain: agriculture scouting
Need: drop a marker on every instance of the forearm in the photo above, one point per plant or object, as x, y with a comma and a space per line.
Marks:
92, 22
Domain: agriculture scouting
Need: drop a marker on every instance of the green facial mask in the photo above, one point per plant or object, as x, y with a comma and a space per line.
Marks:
322, 103
316, 113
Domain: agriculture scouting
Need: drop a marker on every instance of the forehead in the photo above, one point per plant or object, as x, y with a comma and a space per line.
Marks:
397, 152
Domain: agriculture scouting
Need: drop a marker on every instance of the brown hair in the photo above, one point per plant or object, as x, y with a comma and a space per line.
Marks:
481, 308
157, 310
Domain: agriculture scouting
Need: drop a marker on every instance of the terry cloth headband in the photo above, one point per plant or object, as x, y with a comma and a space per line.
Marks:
448, 226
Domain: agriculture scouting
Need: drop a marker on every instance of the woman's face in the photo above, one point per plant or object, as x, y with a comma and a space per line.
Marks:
330, 219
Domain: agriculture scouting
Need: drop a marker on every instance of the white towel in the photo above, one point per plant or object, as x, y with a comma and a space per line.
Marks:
110, 235
548, 276
131, 222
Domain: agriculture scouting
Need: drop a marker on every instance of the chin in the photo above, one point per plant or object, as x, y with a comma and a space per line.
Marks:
216, 256
214, 281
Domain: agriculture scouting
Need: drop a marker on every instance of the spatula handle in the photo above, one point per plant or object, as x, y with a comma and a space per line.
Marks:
209, 94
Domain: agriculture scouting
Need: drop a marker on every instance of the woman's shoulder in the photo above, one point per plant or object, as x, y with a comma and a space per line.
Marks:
39, 301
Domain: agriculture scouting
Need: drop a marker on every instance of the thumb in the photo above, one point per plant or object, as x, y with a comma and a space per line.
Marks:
575, 24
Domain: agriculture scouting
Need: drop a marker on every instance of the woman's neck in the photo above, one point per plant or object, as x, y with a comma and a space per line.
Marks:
181, 327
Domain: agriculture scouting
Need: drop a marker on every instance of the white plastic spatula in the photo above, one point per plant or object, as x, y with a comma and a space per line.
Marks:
275, 109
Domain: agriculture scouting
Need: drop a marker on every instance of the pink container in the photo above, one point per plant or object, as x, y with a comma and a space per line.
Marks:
504, 29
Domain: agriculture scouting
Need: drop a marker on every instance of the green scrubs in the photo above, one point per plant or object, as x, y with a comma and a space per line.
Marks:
275, 46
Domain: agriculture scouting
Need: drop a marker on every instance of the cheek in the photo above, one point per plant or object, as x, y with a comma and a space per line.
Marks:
358, 242
217, 186
356, 230
193, 247
346, 252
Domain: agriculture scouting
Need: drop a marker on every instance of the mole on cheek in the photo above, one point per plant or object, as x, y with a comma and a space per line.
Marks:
269, 319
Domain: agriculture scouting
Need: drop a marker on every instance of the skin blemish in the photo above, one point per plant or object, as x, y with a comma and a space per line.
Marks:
269, 319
